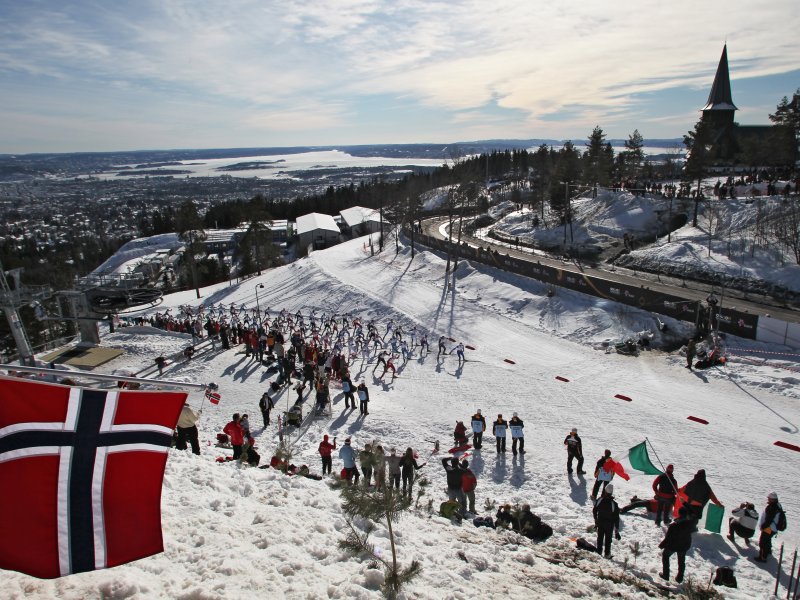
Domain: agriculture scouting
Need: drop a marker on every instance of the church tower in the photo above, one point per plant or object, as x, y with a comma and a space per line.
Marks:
718, 111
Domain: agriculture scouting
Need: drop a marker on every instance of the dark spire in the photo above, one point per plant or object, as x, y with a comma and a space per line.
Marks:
720, 97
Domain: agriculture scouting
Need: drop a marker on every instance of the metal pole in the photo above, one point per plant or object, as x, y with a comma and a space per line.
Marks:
258, 308
102, 377
796, 577
660, 463
778, 573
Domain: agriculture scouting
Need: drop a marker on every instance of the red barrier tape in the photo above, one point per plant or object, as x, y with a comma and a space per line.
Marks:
788, 446
698, 420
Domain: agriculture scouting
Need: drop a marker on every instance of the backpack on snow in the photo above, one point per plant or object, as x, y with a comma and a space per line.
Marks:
724, 576
450, 509
781, 520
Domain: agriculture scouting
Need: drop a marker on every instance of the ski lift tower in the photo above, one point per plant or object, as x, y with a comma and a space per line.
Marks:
11, 300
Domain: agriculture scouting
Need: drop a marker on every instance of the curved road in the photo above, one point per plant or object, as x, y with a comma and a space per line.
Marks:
688, 289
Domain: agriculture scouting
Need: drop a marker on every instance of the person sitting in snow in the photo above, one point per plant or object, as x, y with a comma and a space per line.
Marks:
743, 521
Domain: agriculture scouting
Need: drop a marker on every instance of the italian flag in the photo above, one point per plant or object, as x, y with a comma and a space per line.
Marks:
637, 459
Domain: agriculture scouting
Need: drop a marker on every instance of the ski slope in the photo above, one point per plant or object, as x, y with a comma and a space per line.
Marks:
239, 532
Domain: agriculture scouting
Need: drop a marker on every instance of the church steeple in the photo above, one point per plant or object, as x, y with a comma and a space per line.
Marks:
720, 97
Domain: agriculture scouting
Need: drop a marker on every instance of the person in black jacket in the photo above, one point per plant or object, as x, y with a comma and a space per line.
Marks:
454, 473
768, 524
678, 540
698, 493
665, 487
265, 404
478, 423
408, 464
606, 519
574, 450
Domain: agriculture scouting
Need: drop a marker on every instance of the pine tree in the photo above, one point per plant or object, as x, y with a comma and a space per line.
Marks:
386, 504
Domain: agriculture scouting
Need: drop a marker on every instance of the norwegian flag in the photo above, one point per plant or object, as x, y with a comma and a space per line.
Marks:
81, 473
213, 397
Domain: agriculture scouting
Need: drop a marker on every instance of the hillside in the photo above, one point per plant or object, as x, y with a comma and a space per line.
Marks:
238, 532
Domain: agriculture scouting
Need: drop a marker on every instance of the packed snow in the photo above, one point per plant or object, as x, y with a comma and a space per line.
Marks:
233, 531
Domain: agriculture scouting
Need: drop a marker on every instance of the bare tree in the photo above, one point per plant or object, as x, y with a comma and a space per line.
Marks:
786, 228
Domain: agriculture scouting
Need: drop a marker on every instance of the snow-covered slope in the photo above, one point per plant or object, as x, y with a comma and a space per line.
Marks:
239, 532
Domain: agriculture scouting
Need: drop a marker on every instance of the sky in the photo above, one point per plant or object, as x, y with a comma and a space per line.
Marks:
99, 76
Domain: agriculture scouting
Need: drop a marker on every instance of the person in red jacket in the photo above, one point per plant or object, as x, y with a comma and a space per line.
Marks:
236, 434
460, 434
665, 488
468, 484
325, 449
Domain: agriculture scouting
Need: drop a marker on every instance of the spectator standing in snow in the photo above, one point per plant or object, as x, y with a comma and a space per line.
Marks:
236, 435
265, 405
187, 429
349, 391
408, 464
574, 450
161, 362
367, 461
768, 524
678, 540
603, 476
380, 466
453, 471
325, 449
348, 455
468, 484
363, 399
691, 350
245, 423
743, 522
478, 427
698, 493
393, 466
499, 428
517, 437
606, 519
665, 488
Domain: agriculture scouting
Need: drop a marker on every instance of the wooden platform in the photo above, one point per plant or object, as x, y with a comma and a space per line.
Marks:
83, 357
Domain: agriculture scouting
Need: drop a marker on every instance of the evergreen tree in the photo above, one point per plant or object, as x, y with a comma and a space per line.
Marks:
634, 153
698, 144
386, 504
598, 160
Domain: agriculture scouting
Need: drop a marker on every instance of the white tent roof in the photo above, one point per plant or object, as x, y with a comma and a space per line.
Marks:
314, 221
355, 215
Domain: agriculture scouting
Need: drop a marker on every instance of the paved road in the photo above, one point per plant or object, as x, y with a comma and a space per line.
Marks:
691, 290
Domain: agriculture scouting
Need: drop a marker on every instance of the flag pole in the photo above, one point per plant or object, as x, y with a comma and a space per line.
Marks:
103, 377
663, 469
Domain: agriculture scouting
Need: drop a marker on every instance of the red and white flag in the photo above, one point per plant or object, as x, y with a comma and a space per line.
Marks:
80, 475
213, 397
